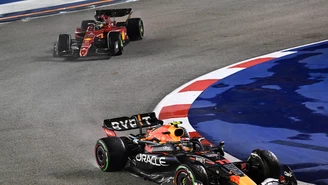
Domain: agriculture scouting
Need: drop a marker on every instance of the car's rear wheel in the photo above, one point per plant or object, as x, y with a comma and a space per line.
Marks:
135, 29
111, 154
263, 164
190, 174
85, 25
115, 43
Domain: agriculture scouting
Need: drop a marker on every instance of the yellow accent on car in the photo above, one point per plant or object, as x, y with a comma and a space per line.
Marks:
245, 180
123, 35
176, 122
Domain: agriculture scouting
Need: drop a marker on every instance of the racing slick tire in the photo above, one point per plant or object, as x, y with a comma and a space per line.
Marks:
188, 174
135, 29
115, 43
263, 164
85, 25
111, 154
63, 43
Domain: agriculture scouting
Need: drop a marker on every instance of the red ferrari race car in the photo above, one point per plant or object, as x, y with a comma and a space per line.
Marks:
102, 36
165, 152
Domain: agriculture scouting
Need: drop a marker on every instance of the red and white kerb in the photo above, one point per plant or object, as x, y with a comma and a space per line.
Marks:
175, 106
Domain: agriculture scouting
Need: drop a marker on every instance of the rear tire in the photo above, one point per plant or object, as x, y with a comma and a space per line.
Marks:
187, 174
111, 154
85, 25
267, 163
115, 43
135, 29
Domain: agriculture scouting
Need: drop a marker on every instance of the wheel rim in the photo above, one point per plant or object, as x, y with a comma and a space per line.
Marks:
183, 178
141, 29
101, 156
121, 42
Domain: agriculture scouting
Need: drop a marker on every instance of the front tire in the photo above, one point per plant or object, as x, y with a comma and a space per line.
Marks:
110, 153
263, 164
115, 43
135, 29
63, 43
188, 174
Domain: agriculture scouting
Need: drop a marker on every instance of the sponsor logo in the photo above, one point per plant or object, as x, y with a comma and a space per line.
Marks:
288, 174
129, 123
211, 155
151, 159
200, 159
167, 148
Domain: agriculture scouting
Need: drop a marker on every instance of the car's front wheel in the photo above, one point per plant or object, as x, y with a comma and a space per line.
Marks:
190, 174
115, 43
63, 42
262, 164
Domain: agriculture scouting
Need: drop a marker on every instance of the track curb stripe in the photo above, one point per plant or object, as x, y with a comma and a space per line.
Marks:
186, 94
176, 105
174, 111
199, 85
251, 63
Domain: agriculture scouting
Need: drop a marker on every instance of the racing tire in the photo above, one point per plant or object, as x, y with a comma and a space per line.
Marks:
135, 29
268, 165
188, 174
63, 43
115, 43
110, 153
85, 25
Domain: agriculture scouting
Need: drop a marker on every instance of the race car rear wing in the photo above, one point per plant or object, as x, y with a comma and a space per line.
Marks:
114, 12
134, 122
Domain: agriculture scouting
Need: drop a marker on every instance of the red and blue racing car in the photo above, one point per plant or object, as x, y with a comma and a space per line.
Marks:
165, 152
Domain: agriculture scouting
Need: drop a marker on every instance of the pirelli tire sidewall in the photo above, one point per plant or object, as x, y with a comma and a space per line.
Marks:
188, 174
110, 153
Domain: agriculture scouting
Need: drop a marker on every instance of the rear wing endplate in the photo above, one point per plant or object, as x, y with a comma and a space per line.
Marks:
133, 122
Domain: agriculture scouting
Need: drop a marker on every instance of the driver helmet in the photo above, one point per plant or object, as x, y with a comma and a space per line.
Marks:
100, 18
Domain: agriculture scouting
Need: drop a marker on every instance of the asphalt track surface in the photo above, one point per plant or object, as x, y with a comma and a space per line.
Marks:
52, 110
